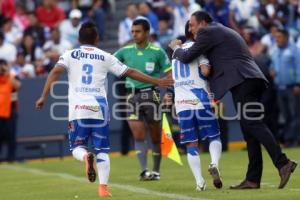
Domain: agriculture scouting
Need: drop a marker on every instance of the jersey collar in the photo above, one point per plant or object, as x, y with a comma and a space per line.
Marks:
147, 47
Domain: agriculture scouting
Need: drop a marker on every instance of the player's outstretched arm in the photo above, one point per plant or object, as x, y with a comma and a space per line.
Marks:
165, 82
52, 77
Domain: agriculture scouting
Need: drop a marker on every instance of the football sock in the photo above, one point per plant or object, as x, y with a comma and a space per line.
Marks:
156, 155
215, 150
195, 163
79, 153
103, 166
141, 152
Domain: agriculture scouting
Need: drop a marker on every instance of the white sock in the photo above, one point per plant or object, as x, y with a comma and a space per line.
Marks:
79, 153
215, 150
195, 164
103, 166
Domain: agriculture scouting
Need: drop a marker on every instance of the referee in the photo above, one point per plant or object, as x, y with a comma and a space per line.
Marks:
143, 99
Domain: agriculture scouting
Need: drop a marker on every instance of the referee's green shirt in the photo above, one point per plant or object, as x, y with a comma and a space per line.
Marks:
151, 60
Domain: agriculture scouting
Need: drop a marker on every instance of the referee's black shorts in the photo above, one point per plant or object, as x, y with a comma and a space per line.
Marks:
143, 105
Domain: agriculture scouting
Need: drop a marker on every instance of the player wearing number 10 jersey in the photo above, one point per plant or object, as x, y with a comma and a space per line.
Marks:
195, 114
87, 68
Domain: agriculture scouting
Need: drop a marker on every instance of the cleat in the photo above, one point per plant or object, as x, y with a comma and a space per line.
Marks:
145, 175
214, 172
201, 187
103, 191
155, 176
89, 167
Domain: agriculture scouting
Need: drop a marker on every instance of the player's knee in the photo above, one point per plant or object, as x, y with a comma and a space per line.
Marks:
98, 151
194, 151
215, 138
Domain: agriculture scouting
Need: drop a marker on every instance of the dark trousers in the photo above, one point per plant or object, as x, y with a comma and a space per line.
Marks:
254, 130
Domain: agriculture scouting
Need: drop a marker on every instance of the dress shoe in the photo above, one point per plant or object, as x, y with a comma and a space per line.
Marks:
245, 185
285, 173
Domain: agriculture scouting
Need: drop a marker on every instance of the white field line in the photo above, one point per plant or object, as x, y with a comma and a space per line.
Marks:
114, 185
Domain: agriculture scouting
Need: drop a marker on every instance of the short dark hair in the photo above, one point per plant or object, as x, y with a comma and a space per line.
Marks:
143, 22
283, 31
3, 62
202, 16
188, 34
88, 33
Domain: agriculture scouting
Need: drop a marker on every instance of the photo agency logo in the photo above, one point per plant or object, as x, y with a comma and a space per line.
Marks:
123, 103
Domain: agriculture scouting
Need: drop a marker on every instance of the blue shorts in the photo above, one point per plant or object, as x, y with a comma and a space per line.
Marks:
81, 130
197, 124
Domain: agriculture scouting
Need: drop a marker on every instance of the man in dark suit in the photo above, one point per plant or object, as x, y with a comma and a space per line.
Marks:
233, 69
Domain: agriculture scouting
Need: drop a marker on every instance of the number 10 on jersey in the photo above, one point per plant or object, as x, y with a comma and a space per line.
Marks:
181, 69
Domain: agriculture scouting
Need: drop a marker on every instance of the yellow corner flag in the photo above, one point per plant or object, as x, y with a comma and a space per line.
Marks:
168, 146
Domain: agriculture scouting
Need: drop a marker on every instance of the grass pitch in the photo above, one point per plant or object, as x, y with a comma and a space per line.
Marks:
64, 180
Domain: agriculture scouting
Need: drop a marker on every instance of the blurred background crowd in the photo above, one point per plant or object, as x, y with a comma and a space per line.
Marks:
34, 33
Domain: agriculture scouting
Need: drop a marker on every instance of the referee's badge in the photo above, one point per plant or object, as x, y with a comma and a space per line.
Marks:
149, 67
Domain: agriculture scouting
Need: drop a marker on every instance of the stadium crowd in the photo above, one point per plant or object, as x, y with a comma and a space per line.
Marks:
34, 33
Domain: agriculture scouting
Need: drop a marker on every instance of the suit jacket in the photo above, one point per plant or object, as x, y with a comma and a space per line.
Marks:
228, 54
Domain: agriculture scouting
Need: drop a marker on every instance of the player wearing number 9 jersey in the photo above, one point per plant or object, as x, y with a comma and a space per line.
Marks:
195, 115
87, 68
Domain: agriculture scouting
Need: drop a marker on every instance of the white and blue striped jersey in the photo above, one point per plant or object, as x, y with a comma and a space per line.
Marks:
87, 68
191, 88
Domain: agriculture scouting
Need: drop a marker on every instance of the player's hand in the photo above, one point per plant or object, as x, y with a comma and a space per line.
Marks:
39, 103
165, 82
175, 43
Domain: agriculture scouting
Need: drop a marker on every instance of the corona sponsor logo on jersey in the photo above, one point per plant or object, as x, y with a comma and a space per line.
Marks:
88, 107
78, 54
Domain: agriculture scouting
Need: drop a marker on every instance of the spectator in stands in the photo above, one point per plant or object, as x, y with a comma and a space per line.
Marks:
8, 83
20, 18
269, 40
279, 11
69, 28
53, 48
286, 73
124, 34
7, 51
293, 18
11, 33
242, 14
165, 34
35, 30
93, 10
49, 14
251, 37
29, 5
22, 69
145, 10
33, 52
263, 14
7, 8
219, 10
182, 12
98, 15
160, 7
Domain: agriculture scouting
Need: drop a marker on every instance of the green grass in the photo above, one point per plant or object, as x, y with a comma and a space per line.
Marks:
55, 180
